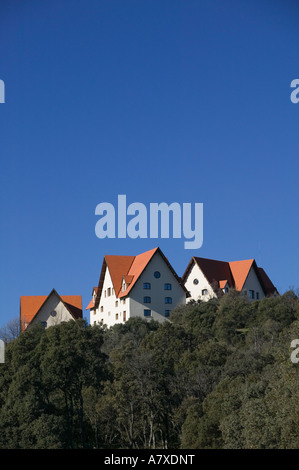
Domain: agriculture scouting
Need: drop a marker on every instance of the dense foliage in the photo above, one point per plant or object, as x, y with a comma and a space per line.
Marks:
219, 375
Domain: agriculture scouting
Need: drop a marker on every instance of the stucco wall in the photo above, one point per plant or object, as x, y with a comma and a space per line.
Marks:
252, 283
196, 289
53, 304
157, 293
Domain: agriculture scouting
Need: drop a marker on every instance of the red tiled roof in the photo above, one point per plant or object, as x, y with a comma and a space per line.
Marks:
222, 283
240, 271
233, 272
215, 270
128, 268
269, 287
31, 304
137, 267
90, 305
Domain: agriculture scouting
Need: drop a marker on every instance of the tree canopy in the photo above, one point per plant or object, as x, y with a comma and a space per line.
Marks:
217, 376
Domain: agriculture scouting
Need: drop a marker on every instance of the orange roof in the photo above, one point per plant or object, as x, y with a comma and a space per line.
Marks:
128, 268
31, 304
118, 267
136, 269
233, 272
222, 284
90, 305
240, 270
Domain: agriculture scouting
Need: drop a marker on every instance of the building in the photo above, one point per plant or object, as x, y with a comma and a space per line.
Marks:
144, 286
49, 310
207, 278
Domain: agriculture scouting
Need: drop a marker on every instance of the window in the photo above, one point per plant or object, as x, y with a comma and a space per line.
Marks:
168, 300
167, 286
124, 316
116, 303
112, 291
146, 285
116, 316
167, 313
225, 290
109, 313
157, 274
105, 293
94, 322
251, 294
257, 295
109, 291
147, 313
204, 292
124, 301
53, 313
44, 323
102, 308
195, 282
146, 300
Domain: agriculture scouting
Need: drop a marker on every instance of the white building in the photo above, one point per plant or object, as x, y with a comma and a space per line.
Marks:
144, 286
49, 310
206, 278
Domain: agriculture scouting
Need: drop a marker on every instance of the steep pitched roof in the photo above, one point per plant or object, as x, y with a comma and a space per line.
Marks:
240, 271
233, 272
214, 270
130, 269
268, 285
30, 306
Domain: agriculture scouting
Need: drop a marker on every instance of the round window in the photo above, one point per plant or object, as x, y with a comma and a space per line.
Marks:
157, 274
53, 313
195, 281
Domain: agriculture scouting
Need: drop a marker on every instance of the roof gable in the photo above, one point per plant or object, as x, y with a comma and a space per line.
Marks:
240, 271
213, 270
234, 273
30, 306
129, 269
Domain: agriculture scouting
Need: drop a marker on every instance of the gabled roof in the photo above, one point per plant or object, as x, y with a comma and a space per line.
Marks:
269, 287
30, 305
233, 272
130, 269
213, 270
240, 271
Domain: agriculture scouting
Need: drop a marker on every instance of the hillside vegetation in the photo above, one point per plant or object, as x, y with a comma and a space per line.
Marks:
219, 375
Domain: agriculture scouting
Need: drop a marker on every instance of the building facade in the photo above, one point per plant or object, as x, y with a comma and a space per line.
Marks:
144, 286
49, 310
206, 278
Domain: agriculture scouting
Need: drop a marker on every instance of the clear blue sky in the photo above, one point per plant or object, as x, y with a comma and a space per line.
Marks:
161, 100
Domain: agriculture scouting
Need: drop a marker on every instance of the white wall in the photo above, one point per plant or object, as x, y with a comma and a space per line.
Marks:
133, 305
252, 283
196, 290
52, 304
108, 304
157, 292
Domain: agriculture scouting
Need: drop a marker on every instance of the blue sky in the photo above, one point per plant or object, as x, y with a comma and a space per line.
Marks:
164, 101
